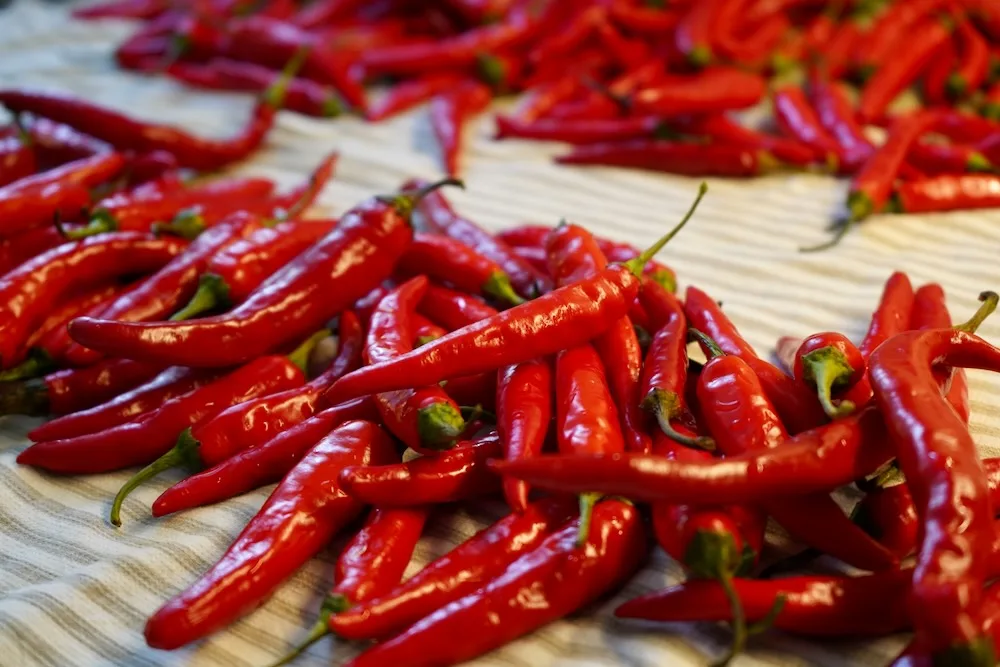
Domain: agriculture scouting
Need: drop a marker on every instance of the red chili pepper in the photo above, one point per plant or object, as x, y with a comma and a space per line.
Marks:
449, 114
35, 286
991, 104
974, 60
456, 475
440, 217
627, 52
453, 310
370, 565
174, 284
820, 460
144, 439
614, 550
693, 36
233, 273
689, 159
524, 407
939, 458
446, 259
149, 167
300, 517
934, 159
895, 75
798, 410
302, 95
564, 318
405, 95
798, 119
125, 407
74, 389
312, 288
712, 90
948, 192
274, 43
19, 248
481, 558
323, 12
261, 465
125, 133
871, 605
740, 418
541, 97
829, 362
426, 419
931, 312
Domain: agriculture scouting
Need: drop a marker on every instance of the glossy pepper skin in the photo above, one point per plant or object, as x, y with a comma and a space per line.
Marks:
140, 441
523, 408
438, 214
820, 460
233, 273
35, 286
615, 548
446, 260
939, 458
159, 295
456, 475
327, 278
125, 407
261, 465
564, 318
300, 517
798, 410
461, 571
425, 418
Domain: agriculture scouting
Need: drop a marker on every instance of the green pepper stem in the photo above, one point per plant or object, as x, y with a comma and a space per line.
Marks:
739, 623
185, 452
587, 503
637, 264
989, 300
665, 406
713, 348
300, 355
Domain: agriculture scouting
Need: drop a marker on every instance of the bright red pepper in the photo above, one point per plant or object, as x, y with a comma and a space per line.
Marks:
261, 465
891, 31
56, 143
324, 280
481, 558
124, 9
458, 474
892, 316
426, 419
524, 407
936, 77
569, 38
144, 439
614, 550
300, 517
720, 129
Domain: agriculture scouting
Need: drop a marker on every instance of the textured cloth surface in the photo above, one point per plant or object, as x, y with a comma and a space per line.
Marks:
75, 591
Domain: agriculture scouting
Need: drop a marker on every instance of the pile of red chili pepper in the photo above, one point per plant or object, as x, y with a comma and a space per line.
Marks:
190, 325
635, 84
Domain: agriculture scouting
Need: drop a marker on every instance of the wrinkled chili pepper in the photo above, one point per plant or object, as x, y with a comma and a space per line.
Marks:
615, 548
425, 418
566, 317
446, 259
140, 441
740, 418
939, 458
299, 518
309, 290
35, 286
458, 474
524, 407
481, 558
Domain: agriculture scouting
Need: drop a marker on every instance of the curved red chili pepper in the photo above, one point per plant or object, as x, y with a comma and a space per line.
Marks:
308, 291
57, 144
233, 273
583, 131
566, 317
261, 465
161, 294
22, 246
424, 331
569, 38
939, 458
34, 287
936, 77
445, 259
426, 419
475, 392
481, 558
523, 407
300, 517
615, 548
829, 362
719, 128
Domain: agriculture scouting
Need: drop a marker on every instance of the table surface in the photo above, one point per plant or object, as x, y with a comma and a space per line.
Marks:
75, 591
